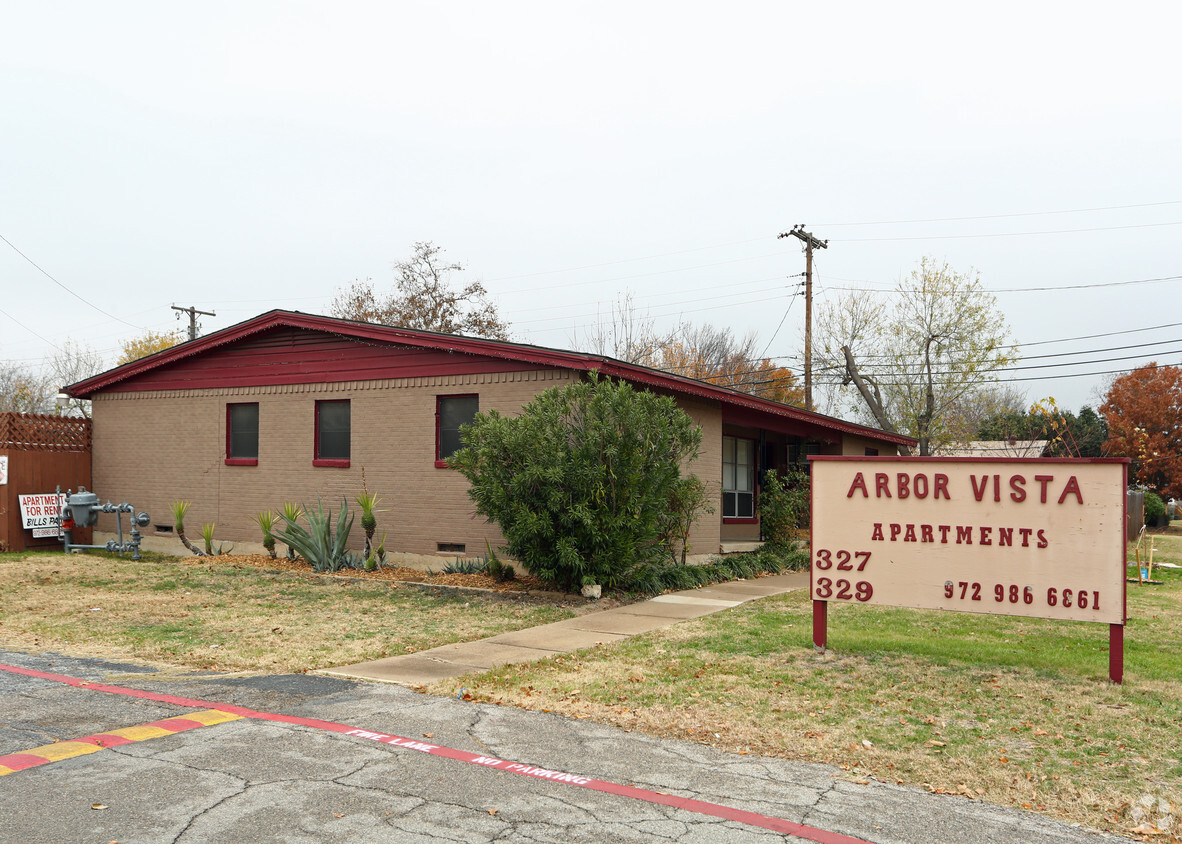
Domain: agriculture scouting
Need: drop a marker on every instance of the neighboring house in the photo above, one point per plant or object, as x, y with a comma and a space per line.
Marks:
294, 407
1013, 447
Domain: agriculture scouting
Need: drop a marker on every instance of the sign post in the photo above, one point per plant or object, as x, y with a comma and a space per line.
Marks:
1041, 538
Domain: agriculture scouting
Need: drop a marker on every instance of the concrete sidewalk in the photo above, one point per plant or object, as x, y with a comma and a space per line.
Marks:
563, 636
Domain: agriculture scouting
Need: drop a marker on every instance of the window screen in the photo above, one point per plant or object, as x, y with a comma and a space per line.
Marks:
332, 430
242, 436
451, 413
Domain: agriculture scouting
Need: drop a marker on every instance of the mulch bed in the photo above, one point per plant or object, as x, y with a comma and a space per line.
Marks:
522, 584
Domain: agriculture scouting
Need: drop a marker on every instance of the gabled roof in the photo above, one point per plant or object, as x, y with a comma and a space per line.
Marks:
997, 448
453, 343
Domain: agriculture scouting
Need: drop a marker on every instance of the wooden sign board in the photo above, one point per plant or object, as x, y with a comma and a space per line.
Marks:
1042, 538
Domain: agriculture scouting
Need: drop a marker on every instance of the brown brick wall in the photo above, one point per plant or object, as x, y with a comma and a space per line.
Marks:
704, 537
152, 448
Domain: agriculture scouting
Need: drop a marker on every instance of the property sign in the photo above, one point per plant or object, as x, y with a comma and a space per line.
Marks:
1040, 538
3, 469
42, 513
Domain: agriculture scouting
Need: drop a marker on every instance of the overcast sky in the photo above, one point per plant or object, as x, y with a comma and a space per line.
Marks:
243, 156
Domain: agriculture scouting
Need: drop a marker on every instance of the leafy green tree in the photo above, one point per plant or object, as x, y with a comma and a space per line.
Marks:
580, 482
783, 506
1069, 434
917, 361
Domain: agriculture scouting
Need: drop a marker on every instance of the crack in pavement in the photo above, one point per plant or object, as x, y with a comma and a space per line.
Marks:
815, 807
245, 787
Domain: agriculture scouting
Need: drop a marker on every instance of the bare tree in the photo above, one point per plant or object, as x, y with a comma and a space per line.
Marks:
705, 352
424, 299
627, 334
916, 362
24, 390
75, 362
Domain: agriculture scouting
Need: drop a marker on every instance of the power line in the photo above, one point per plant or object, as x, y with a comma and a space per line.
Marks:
1015, 368
1005, 234
63, 287
640, 275
1006, 216
627, 260
1022, 289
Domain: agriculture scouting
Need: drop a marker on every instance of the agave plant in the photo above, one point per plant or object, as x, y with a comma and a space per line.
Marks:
316, 543
179, 509
266, 522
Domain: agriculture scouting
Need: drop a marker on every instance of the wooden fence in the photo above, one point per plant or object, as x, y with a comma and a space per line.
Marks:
41, 453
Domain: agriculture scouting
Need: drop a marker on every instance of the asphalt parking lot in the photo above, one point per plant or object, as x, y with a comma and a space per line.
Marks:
297, 758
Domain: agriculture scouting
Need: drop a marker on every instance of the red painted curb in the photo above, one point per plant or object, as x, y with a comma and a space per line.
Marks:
700, 807
22, 761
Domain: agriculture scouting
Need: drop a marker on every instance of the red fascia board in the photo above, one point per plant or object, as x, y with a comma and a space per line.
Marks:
751, 403
474, 346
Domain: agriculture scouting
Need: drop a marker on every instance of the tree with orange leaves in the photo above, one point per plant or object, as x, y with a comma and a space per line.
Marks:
1144, 414
713, 355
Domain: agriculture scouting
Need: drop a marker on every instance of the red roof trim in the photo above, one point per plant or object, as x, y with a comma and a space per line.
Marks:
474, 346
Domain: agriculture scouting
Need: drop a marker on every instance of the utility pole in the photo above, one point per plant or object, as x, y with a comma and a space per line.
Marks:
810, 243
192, 312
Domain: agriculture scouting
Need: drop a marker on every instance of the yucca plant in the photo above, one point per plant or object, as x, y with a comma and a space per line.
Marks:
179, 509
367, 501
266, 522
207, 535
316, 543
290, 512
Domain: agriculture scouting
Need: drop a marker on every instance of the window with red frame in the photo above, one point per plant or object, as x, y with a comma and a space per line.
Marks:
452, 412
242, 434
738, 478
332, 433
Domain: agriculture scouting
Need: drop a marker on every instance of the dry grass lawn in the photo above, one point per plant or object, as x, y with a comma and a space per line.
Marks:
212, 614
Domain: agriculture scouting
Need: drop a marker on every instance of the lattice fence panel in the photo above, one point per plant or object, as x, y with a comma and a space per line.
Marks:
38, 432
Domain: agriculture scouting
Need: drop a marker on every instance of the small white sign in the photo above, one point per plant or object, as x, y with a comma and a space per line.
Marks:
3, 469
41, 511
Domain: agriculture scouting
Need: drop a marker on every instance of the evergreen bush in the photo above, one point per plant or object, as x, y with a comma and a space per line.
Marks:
783, 502
579, 483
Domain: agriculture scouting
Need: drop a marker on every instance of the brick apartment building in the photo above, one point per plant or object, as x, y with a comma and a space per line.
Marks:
293, 407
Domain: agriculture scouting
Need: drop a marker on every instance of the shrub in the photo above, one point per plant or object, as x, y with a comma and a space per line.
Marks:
783, 501
687, 500
1155, 508
316, 544
655, 578
495, 568
579, 483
